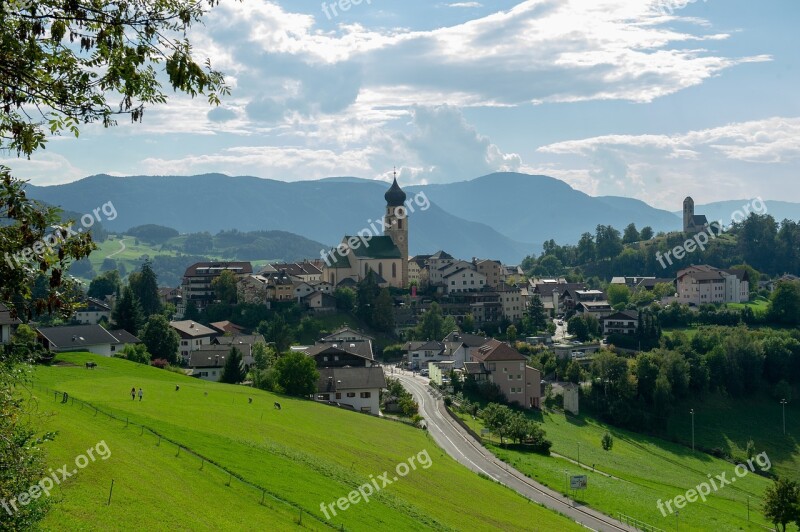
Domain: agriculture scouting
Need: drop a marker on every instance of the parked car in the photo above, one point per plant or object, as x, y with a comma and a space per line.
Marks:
560, 323
423, 372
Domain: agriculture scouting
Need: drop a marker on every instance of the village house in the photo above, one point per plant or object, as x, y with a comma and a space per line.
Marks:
498, 362
623, 322
197, 279
193, 336
701, 285
7, 324
92, 338
92, 311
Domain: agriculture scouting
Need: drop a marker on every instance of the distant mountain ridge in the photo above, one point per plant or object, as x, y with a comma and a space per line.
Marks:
322, 210
504, 216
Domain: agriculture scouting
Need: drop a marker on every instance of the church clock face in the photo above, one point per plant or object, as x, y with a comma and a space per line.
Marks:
401, 238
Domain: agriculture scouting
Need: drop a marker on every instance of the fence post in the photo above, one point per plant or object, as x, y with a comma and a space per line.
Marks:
179, 451
159, 442
230, 478
202, 464
110, 491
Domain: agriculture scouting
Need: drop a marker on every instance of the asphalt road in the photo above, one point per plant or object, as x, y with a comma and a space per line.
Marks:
465, 449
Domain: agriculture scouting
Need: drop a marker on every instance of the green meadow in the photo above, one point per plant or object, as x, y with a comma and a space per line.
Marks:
640, 470
295, 458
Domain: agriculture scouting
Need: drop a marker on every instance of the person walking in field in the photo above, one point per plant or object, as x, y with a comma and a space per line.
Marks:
140, 394
133, 393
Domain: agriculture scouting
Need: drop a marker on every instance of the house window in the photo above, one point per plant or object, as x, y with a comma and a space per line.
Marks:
394, 270
338, 395
351, 394
366, 395
491, 366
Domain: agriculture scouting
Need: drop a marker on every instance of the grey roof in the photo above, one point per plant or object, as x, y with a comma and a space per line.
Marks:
424, 346
192, 329
76, 336
338, 379
211, 357
5, 316
124, 337
240, 339
344, 330
470, 340
623, 315
359, 349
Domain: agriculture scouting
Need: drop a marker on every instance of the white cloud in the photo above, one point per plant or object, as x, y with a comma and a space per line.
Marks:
741, 159
44, 168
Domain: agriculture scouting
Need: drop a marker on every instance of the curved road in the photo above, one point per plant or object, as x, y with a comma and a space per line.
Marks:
465, 449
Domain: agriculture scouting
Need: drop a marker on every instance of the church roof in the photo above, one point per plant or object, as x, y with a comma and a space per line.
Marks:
379, 247
395, 197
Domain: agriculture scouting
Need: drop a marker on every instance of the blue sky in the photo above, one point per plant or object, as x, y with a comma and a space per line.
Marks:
652, 99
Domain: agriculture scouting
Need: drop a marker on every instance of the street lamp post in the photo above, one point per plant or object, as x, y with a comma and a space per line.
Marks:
783, 405
677, 521
692, 413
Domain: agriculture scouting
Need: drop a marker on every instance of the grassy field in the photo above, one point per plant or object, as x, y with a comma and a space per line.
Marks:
304, 455
760, 306
728, 424
638, 472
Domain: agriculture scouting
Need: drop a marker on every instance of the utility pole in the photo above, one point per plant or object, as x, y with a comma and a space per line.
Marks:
783, 404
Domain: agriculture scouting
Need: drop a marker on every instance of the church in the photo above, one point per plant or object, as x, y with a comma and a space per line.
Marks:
386, 255
692, 223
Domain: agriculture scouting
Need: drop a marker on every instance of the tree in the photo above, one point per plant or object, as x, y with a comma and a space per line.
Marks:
198, 243
263, 356
161, 339
383, 312
782, 503
449, 325
297, 374
577, 327
224, 287
191, 312
608, 242
106, 284
50, 86
646, 233
144, 284
430, 324
468, 323
631, 234
127, 313
537, 315
367, 291
618, 294
278, 332
575, 373
233, 372
607, 442
136, 353
497, 419
345, 299
511, 334
784, 307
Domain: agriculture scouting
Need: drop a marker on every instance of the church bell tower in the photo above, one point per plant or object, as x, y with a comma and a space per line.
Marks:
396, 224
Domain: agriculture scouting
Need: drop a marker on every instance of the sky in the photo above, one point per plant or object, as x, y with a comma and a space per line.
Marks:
650, 99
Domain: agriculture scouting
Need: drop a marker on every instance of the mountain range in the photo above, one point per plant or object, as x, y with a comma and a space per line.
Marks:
504, 216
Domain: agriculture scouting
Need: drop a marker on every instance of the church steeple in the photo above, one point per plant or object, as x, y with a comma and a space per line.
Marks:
396, 225
395, 197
